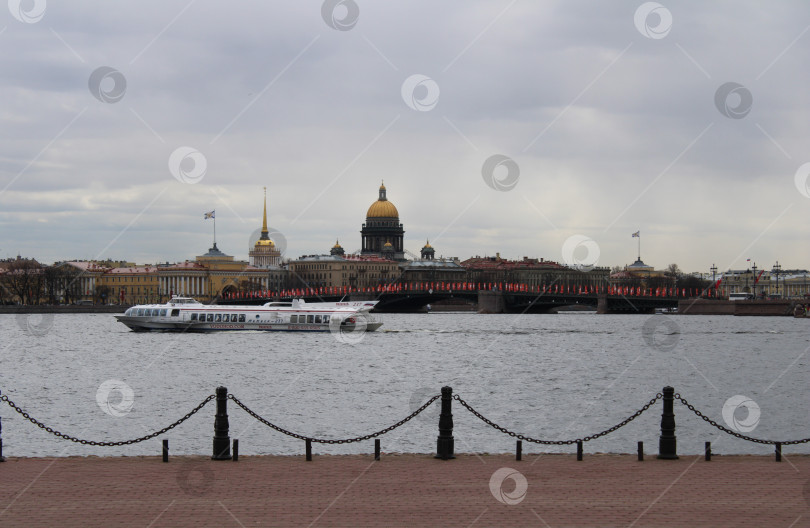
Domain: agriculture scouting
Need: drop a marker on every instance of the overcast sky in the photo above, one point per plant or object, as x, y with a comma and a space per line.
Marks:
528, 128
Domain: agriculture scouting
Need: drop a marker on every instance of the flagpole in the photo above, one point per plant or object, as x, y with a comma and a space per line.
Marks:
639, 246
215, 230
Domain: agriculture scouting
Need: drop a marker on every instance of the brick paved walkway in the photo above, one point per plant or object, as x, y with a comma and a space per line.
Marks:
405, 490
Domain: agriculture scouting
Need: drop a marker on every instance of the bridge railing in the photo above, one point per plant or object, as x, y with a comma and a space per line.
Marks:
430, 288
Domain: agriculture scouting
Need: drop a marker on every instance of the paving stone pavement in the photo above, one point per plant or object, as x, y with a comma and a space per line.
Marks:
406, 490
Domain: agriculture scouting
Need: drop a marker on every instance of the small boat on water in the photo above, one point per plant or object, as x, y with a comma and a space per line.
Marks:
185, 314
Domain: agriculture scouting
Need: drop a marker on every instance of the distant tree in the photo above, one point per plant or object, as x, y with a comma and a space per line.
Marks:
52, 283
692, 282
24, 279
673, 271
66, 284
103, 293
5, 293
659, 282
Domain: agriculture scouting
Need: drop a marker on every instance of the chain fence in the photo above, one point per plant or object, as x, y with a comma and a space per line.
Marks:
331, 441
411, 416
735, 433
558, 442
103, 444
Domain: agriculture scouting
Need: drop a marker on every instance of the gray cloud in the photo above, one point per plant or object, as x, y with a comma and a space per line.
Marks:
593, 112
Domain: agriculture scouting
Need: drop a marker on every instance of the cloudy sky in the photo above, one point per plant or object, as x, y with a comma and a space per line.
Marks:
543, 129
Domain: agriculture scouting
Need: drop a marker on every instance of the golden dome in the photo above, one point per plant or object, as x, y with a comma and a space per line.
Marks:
382, 208
388, 244
263, 242
337, 245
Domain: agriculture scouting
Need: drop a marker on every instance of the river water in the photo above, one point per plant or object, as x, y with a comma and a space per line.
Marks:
553, 377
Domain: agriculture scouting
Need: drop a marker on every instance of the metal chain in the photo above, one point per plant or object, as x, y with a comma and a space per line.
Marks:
558, 442
735, 433
328, 441
104, 444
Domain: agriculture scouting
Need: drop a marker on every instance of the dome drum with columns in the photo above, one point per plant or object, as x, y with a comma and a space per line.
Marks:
382, 233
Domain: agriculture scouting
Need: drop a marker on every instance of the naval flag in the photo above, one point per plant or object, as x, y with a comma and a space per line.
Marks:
209, 215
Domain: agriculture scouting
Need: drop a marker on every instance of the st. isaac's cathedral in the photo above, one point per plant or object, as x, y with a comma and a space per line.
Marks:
382, 233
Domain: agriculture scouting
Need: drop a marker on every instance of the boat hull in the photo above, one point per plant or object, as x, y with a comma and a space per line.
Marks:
139, 324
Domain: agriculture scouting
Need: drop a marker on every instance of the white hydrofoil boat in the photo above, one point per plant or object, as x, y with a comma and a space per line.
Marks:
188, 315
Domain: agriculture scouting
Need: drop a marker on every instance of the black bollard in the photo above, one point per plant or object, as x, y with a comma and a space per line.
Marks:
778, 451
309, 450
519, 450
376, 449
444, 443
236, 450
579, 450
641, 451
667, 442
2, 458
165, 449
708, 451
222, 442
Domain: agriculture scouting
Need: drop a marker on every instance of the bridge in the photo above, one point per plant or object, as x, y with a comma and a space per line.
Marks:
490, 298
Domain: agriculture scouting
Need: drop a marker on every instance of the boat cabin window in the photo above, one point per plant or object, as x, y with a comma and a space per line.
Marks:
293, 318
226, 318
218, 318
140, 312
194, 317
310, 318
210, 318
241, 318
318, 318
175, 312
325, 318
163, 312
233, 318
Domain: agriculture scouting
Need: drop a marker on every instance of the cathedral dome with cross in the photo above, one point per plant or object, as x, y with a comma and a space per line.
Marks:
382, 227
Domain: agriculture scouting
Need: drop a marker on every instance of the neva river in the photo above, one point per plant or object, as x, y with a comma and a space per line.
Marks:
547, 376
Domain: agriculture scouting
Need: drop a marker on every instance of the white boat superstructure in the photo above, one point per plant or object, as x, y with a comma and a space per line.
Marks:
188, 315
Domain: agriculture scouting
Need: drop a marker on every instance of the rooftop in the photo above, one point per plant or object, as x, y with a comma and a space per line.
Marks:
497, 263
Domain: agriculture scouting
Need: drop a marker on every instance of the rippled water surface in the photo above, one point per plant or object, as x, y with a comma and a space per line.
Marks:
553, 377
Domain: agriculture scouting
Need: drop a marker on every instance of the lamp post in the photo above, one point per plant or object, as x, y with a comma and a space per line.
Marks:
754, 268
777, 269
713, 269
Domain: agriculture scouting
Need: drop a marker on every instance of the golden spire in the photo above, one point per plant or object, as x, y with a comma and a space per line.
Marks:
265, 233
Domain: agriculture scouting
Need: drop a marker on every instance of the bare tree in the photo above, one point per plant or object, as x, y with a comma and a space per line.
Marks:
51, 283
103, 293
673, 271
24, 279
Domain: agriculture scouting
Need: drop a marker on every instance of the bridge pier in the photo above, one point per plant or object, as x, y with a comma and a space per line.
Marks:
491, 302
601, 303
